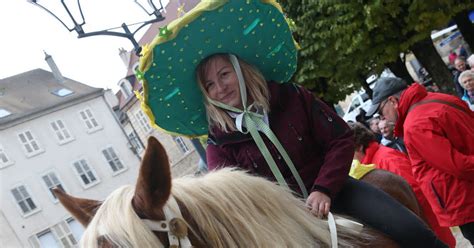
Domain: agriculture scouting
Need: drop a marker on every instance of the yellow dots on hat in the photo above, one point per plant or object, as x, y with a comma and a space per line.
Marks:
168, 116
177, 128
260, 42
179, 93
253, 32
261, 24
174, 43
195, 61
181, 49
202, 30
182, 101
186, 37
200, 52
154, 64
168, 77
219, 46
161, 89
170, 67
278, 24
185, 108
170, 58
180, 60
152, 76
278, 62
246, 46
158, 77
231, 10
250, 11
222, 30
236, 41
203, 19
257, 10
185, 70
162, 51
220, 10
274, 70
168, 105
240, 18
161, 99
187, 25
241, 9
274, 36
228, 27
154, 88
273, 20
207, 41
191, 122
257, 56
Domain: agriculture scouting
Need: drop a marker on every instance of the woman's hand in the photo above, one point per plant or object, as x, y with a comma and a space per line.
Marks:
319, 204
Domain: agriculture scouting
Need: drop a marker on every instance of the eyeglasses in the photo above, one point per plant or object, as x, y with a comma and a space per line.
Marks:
382, 105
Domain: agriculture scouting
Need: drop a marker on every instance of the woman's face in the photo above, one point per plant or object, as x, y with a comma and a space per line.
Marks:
221, 83
468, 83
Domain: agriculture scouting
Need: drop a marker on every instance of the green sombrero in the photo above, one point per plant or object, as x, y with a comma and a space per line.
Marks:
256, 31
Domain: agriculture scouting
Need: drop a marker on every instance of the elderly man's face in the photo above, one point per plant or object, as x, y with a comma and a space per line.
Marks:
386, 129
460, 65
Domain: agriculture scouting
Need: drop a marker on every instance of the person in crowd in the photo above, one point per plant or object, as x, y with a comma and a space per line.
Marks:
368, 151
470, 61
374, 127
438, 134
388, 139
466, 80
460, 65
221, 64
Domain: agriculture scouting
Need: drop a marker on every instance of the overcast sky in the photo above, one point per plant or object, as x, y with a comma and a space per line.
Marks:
27, 30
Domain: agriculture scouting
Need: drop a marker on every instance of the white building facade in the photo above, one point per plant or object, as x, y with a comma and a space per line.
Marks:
62, 135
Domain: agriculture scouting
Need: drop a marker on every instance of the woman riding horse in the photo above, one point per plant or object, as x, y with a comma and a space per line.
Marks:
232, 56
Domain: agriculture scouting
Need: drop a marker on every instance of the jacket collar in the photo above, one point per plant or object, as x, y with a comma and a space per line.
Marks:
410, 96
370, 152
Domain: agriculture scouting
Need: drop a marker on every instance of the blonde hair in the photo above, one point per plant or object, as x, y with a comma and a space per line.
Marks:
255, 84
228, 212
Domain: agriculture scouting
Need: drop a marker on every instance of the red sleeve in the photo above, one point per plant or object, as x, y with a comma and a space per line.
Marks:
440, 153
337, 142
218, 158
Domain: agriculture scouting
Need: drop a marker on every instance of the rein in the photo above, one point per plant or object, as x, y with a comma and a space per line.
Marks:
173, 224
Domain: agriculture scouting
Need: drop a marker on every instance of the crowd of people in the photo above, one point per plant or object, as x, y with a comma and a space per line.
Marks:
260, 122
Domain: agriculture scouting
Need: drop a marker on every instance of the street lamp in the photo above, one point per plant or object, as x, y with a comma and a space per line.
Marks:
77, 24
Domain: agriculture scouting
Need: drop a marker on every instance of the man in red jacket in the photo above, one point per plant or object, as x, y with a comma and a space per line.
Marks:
368, 151
439, 136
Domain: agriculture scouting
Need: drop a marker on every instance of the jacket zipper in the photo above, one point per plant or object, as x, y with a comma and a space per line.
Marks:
298, 136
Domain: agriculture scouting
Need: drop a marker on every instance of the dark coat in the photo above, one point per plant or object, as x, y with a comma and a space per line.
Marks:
318, 141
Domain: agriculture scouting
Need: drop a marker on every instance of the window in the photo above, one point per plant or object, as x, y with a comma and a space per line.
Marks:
4, 159
62, 133
30, 145
135, 142
182, 146
89, 120
4, 113
62, 92
143, 120
24, 200
126, 88
51, 181
64, 234
112, 159
76, 228
47, 239
85, 173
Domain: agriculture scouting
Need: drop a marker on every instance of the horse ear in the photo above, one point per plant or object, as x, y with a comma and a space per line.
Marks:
82, 209
154, 180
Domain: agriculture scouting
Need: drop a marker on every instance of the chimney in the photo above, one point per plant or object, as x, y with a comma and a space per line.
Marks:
54, 67
125, 56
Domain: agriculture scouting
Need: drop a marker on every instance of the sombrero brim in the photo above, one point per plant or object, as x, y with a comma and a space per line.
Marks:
256, 31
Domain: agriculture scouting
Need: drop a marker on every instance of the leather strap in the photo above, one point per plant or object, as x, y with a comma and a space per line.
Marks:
436, 101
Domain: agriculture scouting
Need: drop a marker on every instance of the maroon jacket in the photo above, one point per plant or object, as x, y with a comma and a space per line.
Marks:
319, 142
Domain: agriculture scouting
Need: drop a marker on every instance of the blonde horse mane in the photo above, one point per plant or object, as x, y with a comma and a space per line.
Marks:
231, 209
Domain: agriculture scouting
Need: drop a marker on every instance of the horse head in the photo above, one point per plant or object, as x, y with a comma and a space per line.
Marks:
151, 193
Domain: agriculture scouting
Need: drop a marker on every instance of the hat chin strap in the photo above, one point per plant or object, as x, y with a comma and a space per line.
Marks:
254, 122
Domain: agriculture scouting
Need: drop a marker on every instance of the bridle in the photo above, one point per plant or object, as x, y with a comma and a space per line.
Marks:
173, 225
